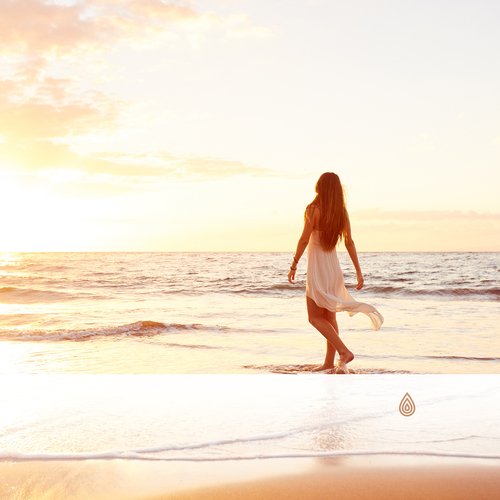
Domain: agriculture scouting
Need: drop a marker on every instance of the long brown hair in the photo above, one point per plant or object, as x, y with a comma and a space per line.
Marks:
333, 216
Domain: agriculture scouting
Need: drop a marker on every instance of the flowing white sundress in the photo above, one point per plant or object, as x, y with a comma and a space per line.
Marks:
325, 283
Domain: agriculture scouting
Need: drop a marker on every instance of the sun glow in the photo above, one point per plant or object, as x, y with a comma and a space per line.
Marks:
34, 219
151, 126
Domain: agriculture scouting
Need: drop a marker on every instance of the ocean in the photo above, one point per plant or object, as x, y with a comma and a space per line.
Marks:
202, 357
203, 418
201, 313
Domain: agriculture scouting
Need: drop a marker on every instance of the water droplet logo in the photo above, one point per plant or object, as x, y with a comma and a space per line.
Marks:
407, 406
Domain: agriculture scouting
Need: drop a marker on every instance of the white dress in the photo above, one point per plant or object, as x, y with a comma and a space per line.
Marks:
325, 283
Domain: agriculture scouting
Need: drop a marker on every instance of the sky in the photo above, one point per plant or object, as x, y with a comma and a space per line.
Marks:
149, 125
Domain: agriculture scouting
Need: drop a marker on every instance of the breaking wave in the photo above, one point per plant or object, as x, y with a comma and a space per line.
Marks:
137, 329
13, 295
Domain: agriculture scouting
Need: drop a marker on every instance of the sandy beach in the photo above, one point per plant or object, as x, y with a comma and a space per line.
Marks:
374, 477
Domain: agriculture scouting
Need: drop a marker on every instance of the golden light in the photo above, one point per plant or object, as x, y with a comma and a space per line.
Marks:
34, 218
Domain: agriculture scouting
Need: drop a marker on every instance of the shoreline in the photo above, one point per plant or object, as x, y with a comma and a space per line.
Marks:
372, 477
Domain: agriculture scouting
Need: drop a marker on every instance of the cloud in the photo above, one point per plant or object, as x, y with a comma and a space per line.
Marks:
37, 119
36, 135
214, 167
37, 155
44, 104
166, 164
241, 26
48, 27
44, 155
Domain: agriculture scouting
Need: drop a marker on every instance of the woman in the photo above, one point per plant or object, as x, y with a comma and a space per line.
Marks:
326, 222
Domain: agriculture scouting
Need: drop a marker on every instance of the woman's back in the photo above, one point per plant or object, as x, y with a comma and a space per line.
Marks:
313, 215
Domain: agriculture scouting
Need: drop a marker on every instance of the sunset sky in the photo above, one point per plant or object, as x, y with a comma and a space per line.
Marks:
204, 125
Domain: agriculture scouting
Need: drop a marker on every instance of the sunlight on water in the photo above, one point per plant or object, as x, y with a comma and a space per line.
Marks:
221, 417
9, 258
236, 313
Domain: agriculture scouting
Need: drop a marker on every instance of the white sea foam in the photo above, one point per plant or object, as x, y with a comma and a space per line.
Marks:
237, 313
205, 418
131, 455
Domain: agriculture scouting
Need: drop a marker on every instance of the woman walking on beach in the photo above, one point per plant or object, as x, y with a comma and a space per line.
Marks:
326, 222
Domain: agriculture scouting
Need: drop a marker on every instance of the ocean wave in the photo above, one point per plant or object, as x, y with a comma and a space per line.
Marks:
18, 319
410, 291
14, 295
467, 358
441, 292
138, 455
137, 329
430, 356
458, 438
11, 294
278, 287
204, 449
294, 369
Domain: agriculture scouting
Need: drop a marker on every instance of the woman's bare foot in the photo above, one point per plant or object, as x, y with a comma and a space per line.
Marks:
323, 367
346, 357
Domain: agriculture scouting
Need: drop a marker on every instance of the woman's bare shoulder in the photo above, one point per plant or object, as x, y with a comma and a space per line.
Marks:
312, 213
312, 207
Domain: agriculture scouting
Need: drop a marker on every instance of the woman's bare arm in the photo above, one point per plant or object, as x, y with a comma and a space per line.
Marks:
301, 245
351, 250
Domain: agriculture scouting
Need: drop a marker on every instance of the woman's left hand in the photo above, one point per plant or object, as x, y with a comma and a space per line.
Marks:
291, 275
361, 281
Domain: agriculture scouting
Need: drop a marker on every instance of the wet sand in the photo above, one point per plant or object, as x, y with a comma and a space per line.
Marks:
374, 477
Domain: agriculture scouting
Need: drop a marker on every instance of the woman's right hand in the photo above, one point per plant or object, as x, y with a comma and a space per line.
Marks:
361, 281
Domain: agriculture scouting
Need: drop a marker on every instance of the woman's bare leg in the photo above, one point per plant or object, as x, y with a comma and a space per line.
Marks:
329, 362
318, 320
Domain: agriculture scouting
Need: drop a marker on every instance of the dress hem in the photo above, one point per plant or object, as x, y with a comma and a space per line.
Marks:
375, 317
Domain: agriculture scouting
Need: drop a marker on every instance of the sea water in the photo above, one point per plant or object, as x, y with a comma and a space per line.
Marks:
236, 313
243, 417
186, 356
